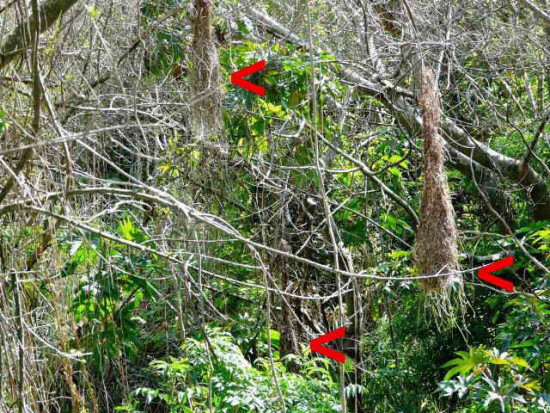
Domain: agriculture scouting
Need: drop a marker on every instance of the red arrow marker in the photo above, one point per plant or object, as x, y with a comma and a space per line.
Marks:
317, 345
237, 78
485, 273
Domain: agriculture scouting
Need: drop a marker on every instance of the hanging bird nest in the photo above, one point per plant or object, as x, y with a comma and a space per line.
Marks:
436, 251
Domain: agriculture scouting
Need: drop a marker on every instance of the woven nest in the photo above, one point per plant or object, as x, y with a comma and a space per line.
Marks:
436, 249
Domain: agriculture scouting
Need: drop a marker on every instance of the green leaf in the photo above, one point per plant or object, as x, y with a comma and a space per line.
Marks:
499, 361
126, 229
93, 11
453, 372
452, 362
518, 361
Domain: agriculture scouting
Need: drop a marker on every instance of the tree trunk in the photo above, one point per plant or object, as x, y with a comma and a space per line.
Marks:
288, 341
207, 119
19, 39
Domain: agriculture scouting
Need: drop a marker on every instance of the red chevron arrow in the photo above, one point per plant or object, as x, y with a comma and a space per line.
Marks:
485, 273
317, 345
237, 78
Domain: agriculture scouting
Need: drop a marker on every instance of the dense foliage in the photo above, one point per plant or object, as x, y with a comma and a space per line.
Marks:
143, 270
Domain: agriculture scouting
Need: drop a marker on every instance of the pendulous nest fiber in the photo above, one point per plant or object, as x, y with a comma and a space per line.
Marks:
436, 250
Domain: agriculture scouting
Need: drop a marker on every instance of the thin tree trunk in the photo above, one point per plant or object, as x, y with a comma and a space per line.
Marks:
20, 343
288, 341
207, 119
